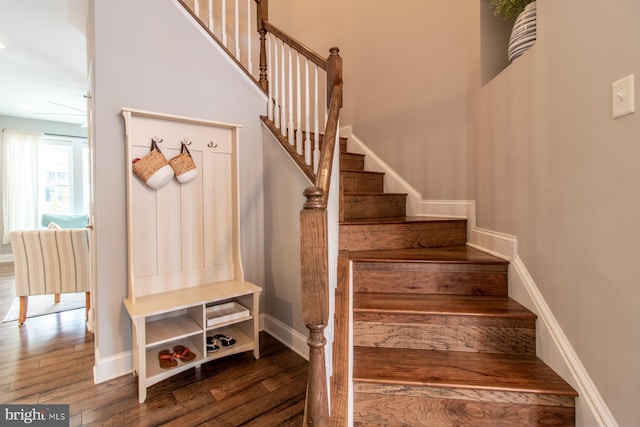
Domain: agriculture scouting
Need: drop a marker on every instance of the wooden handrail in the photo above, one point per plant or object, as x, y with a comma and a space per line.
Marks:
314, 256
299, 47
318, 199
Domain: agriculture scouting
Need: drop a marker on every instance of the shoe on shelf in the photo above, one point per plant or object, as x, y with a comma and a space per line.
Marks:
167, 359
183, 353
225, 340
212, 345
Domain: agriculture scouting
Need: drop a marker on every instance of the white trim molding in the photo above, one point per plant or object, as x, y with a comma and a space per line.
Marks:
110, 367
582, 381
393, 183
285, 334
6, 258
523, 289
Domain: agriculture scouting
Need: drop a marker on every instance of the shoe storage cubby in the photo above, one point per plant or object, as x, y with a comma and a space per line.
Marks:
186, 281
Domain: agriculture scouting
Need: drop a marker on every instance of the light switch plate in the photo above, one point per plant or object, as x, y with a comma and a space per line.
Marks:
623, 97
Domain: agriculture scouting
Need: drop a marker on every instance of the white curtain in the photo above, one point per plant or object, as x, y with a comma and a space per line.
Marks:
20, 181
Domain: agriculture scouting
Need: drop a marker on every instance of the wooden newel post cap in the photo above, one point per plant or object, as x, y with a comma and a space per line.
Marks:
315, 198
334, 51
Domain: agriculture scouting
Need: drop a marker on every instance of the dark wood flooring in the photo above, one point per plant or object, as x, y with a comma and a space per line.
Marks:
50, 360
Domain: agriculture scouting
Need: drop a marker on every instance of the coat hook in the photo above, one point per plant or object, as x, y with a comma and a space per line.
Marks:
157, 139
210, 145
185, 142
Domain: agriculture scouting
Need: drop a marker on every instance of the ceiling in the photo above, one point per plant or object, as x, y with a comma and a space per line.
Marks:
43, 66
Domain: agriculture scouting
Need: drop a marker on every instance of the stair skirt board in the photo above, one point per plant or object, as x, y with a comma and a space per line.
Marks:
524, 290
522, 287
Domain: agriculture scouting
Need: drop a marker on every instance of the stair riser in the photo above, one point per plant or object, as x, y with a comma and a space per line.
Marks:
364, 388
445, 337
362, 182
382, 409
363, 237
429, 278
342, 141
350, 161
357, 206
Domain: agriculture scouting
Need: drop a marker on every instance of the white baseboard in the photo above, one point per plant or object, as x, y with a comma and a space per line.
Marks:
522, 288
393, 183
581, 379
117, 365
283, 333
110, 367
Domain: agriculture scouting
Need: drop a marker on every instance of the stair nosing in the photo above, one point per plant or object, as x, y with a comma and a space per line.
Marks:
465, 364
359, 171
421, 255
517, 311
374, 194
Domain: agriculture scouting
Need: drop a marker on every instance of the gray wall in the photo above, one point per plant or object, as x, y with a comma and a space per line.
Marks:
149, 56
284, 183
19, 123
549, 165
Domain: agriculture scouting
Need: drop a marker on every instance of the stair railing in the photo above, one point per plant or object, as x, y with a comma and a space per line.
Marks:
295, 78
294, 104
229, 21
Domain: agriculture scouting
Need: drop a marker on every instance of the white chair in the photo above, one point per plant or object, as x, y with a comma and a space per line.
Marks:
50, 262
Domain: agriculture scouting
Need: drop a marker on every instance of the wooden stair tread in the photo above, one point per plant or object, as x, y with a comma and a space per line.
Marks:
401, 220
363, 172
429, 304
444, 255
486, 371
376, 194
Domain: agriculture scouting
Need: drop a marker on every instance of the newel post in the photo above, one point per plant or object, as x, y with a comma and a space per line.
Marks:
262, 17
315, 301
334, 72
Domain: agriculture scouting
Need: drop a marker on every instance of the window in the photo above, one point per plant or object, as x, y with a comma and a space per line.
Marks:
63, 181
41, 174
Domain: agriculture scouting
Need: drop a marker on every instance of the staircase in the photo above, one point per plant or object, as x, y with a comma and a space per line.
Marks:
437, 340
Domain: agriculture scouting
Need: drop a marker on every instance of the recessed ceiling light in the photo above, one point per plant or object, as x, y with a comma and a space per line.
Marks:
25, 107
2, 46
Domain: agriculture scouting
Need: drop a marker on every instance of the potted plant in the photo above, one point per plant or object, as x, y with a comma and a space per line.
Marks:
509, 9
523, 34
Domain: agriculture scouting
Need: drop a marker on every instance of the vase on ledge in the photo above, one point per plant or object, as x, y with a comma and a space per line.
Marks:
523, 35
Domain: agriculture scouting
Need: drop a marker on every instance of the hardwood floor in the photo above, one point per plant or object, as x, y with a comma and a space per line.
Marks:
50, 360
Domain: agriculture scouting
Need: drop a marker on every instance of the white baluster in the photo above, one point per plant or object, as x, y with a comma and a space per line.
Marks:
276, 89
237, 30
249, 61
290, 130
196, 8
316, 135
210, 14
283, 113
269, 78
307, 115
298, 106
224, 23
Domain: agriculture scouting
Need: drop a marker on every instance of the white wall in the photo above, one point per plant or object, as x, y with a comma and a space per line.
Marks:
548, 164
149, 56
